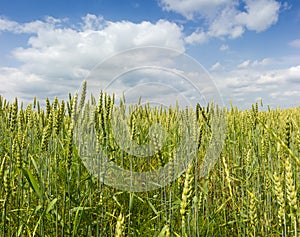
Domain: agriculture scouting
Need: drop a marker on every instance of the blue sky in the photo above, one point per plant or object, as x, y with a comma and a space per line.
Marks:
251, 48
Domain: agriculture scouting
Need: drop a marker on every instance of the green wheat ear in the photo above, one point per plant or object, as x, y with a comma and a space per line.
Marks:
83, 95
186, 193
13, 116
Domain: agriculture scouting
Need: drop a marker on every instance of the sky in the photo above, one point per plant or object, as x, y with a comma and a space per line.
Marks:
250, 49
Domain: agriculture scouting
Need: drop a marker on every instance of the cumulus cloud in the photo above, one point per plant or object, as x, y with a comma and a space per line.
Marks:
225, 25
293, 74
61, 55
256, 63
224, 18
62, 51
197, 37
32, 27
244, 85
7, 25
216, 66
259, 14
285, 93
193, 8
244, 64
263, 62
16, 82
280, 76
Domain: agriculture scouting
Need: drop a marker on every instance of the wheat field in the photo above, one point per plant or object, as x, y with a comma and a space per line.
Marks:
46, 190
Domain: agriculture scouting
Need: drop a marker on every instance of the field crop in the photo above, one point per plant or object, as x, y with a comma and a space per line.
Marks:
46, 190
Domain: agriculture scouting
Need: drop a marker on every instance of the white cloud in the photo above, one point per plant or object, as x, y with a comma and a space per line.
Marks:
225, 25
247, 84
287, 75
59, 57
94, 22
244, 64
25, 85
224, 47
275, 95
61, 52
259, 15
270, 78
263, 62
32, 27
295, 43
216, 66
224, 18
293, 74
192, 8
7, 25
256, 63
196, 38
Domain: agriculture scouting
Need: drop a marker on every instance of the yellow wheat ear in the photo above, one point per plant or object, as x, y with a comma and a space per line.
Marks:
278, 190
291, 194
120, 226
